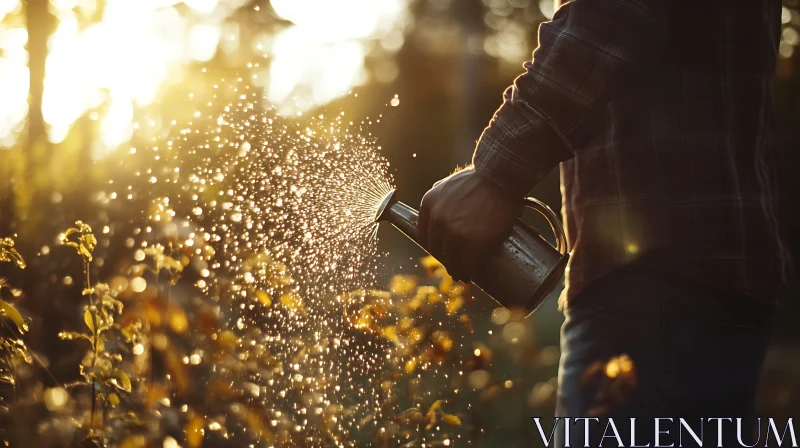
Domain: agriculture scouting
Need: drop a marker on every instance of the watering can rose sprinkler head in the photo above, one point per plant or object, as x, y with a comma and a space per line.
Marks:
384, 205
521, 273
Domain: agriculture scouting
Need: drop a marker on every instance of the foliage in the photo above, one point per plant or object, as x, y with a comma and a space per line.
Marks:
126, 408
12, 349
10, 255
108, 340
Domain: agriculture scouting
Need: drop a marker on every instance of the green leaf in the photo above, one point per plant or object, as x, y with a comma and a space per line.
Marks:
124, 380
121, 381
113, 399
90, 319
451, 419
9, 311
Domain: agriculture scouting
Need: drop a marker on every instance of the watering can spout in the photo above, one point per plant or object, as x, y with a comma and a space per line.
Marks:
521, 273
401, 216
380, 215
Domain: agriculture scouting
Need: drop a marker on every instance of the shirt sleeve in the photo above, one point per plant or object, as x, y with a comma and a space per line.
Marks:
589, 52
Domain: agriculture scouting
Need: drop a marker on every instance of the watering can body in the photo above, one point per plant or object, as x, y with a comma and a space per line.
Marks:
521, 273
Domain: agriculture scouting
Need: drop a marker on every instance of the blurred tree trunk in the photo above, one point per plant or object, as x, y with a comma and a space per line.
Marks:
40, 24
31, 175
31, 192
473, 69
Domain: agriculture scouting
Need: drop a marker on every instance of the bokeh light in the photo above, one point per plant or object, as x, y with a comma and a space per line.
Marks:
120, 63
321, 57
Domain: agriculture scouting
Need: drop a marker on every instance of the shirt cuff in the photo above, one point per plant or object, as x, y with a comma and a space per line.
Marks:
518, 149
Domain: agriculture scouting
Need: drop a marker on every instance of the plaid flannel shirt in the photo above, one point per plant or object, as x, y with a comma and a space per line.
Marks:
661, 115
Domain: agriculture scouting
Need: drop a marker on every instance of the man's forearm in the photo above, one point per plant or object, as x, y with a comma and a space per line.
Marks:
587, 54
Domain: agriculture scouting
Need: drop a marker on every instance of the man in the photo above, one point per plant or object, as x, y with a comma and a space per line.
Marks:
660, 113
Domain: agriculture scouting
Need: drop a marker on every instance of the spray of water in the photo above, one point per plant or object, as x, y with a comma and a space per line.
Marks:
289, 206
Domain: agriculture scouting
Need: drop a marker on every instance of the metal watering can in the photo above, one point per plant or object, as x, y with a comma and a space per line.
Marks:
519, 274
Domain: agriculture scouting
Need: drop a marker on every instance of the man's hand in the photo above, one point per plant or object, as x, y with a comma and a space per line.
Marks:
462, 218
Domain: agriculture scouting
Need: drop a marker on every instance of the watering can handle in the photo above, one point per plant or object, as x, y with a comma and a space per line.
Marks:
552, 219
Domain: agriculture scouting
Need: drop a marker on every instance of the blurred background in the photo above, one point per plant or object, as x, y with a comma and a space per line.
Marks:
82, 81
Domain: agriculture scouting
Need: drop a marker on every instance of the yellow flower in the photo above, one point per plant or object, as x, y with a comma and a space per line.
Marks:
292, 301
264, 298
403, 284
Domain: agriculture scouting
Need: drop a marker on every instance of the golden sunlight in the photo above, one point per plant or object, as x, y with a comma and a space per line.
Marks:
321, 57
14, 73
109, 68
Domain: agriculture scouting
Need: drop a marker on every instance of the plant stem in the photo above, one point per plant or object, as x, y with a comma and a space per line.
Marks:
93, 310
152, 351
9, 361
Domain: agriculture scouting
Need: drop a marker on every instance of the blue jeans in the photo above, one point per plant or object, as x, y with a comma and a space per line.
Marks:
696, 354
